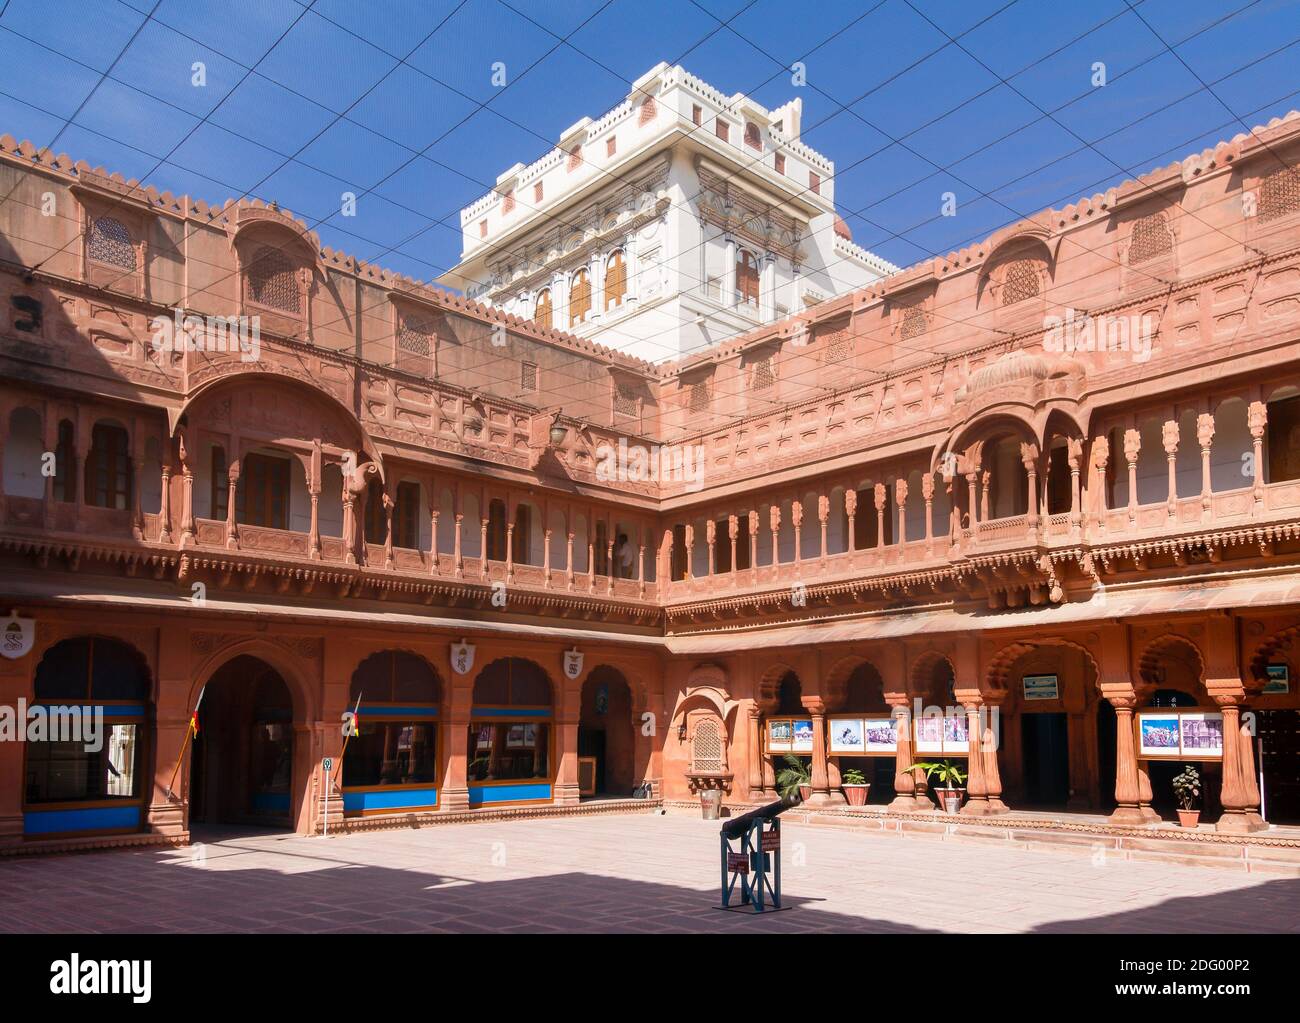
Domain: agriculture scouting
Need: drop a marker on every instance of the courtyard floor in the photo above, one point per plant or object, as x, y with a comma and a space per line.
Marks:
622, 873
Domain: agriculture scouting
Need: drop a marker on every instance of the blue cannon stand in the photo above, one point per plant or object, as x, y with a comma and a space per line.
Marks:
756, 864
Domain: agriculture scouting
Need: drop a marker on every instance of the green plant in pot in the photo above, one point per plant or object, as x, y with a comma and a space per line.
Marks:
951, 778
855, 786
1187, 789
794, 778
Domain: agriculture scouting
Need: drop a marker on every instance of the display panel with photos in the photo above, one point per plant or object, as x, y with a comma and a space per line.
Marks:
802, 741
1040, 687
847, 735
780, 735
1279, 680
1180, 735
946, 734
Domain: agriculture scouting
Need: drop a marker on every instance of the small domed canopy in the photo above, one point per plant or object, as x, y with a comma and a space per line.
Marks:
1018, 365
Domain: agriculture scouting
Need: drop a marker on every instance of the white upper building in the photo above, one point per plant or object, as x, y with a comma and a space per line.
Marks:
680, 219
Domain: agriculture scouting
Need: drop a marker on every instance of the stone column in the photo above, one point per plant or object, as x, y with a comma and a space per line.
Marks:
137, 506
1133, 806
482, 544
733, 530
568, 561
1170, 440
977, 801
823, 513
729, 273
388, 504
774, 525
457, 553
1029, 459
232, 502
566, 747
796, 518
711, 536
1132, 448
753, 546
187, 496
879, 493
900, 499
1204, 435
1257, 416
434, 512
1100, 459
990, 742
927, 492
905, 798
754, 716
972, 496
821, 794
454, 794
850, 510
165, 508
1074, 452
1240, 792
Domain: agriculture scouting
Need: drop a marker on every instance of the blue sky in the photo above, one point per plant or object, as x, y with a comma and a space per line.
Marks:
905, 114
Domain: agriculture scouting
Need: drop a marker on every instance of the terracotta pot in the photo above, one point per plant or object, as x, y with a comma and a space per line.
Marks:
1189, 818
950, 800
805, 793
856, 794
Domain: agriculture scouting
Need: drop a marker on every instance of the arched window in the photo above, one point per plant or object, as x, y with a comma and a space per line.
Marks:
753, 138
110, 242
1020, 282
65, 464
615, 279
1150, 238
510, 732
747, 278
496, 531
648, 111
542, 312
272, 281
108, 468
575, 157
706, 747
376, 515
22, 455
396, 696
107, 677
580, 297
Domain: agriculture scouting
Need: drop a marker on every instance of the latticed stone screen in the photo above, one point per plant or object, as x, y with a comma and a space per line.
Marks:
528, 376
706, 748
272, 281
1020, 283
763, 377
110, 243
914, 323
1279, 194
836, 341
1151, 238
415, 336
624, 400
699, 399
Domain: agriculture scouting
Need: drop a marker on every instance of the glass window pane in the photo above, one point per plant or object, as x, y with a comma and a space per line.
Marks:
509, 751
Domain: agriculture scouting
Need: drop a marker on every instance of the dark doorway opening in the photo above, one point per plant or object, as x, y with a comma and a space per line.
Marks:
1279, 754
1045, 742
591, 743
242, 758
605, 732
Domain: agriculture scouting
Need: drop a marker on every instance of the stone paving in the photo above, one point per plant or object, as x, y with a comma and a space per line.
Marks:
624, 873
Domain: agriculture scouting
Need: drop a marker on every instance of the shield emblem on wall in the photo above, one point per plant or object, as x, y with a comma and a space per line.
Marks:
17, 636
572, 663
462, 657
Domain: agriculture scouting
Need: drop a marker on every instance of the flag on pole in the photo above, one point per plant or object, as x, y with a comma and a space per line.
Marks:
347, 737
191, 731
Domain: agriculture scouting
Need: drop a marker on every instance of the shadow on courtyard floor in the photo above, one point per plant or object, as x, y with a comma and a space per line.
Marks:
1232, 912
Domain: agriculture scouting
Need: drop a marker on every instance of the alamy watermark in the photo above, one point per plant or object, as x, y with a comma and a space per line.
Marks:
667, 463
190, 332
1077, 331
38, 723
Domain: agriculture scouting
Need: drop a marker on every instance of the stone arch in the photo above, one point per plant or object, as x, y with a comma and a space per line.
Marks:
1150, 669
768, 690
345, 430
835, 685
922, 676
1265, 652
297, 674
998, 671
440, 683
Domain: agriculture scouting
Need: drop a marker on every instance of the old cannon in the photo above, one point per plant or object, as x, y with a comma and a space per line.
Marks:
756, 863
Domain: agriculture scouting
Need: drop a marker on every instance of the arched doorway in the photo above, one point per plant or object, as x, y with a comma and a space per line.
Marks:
860, 695
511, 746
605, 731
242, 759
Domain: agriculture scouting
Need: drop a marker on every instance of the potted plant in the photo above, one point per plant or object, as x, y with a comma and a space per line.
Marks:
950, 792
855, 787
1187, 787
796, 776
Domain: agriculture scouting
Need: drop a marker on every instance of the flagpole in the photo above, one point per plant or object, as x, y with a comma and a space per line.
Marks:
191, 730
348, 738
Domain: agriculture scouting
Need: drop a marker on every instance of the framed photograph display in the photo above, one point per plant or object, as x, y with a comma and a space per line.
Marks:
1279, 680
929, 735
1201, 735
956, 740
1040, 687
847, 736
881, 736
1180, 735
803, 736
780, 734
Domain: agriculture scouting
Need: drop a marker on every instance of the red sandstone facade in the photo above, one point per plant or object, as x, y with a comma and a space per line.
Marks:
929, 490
